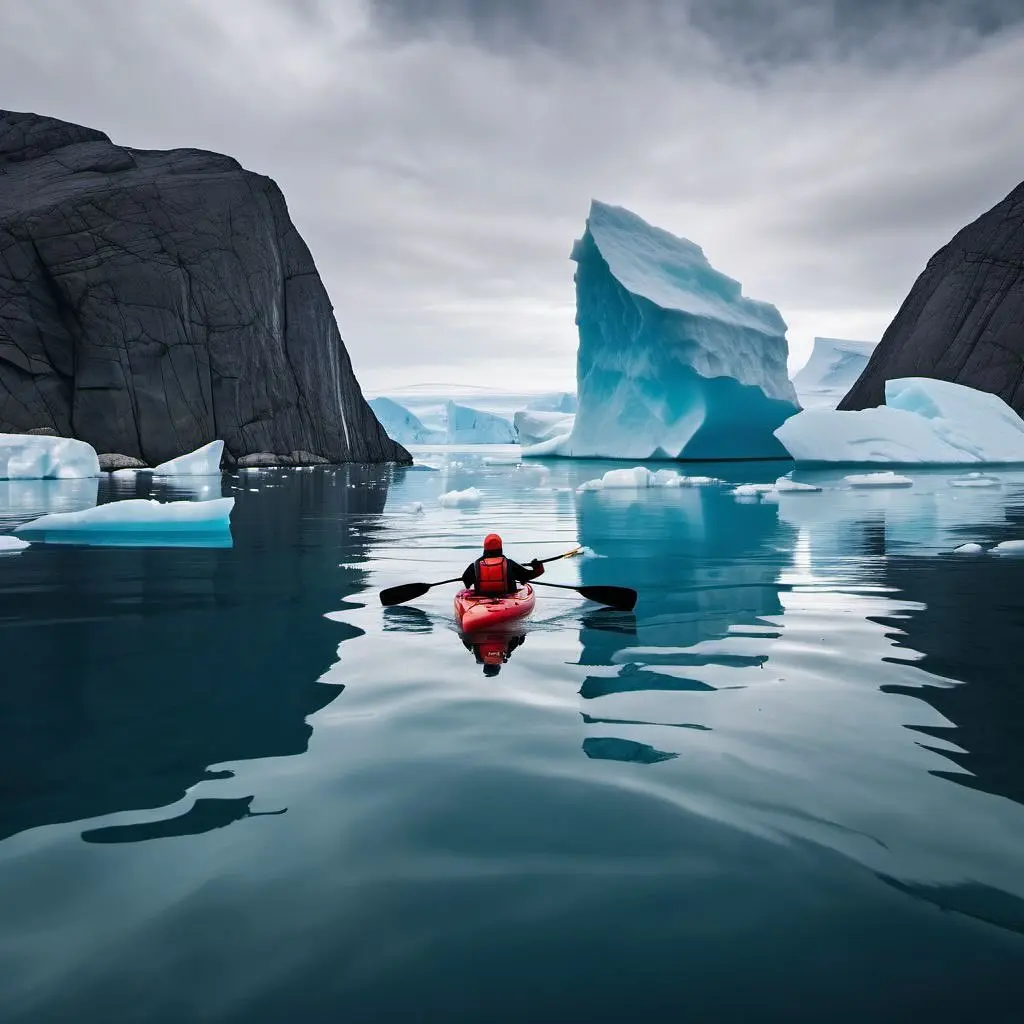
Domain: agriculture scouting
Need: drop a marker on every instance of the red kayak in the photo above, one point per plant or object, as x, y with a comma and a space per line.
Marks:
477, 611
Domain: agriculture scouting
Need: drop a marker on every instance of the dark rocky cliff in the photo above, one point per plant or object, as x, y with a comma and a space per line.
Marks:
151, 302
963, 320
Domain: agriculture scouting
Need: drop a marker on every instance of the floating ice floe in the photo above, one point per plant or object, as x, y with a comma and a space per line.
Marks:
135, 515
1009, 547
461, 499
785, 485
884, 479
40, 457
969, 549
639, 477
11, 545
923, 422
751, 490
975, 480
203, 461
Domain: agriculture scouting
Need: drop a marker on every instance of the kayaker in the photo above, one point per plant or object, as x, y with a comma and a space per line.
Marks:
494, 573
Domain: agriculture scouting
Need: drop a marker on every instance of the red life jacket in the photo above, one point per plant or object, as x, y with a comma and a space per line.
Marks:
492, 575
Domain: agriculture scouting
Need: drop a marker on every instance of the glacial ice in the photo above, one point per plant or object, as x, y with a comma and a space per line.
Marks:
923, 422
885, 479
11, 545
534, 427
975, 480
1009, 547
834, 366
473, 426
136, 514
639, 477
969, 549
674, 361
203, 461
40, 457
786, 485
402, 425
461, 499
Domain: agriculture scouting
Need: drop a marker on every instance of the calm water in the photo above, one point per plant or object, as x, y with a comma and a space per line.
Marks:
789, 787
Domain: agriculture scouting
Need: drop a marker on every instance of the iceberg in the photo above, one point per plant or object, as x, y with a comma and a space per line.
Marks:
886, 479
833, 369
402, 425
534, 427
473, 426
674, 362
203, 461
639, 477
136, 514
923, 422
41, 457
461, 499
11, 545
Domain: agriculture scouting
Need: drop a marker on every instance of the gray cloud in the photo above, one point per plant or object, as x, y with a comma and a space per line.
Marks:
440, 164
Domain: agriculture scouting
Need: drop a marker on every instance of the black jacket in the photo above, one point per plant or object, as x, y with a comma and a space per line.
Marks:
516, 573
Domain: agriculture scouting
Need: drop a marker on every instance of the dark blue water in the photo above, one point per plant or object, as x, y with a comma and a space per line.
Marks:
789, 787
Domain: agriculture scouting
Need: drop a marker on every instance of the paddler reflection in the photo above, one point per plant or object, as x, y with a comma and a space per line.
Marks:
493, 649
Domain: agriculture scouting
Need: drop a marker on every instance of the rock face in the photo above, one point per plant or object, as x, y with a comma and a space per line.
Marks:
963, 320
151, 302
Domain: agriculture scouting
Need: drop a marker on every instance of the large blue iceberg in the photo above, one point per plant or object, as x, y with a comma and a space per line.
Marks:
474, 426
403, 425
833, 369
674, 361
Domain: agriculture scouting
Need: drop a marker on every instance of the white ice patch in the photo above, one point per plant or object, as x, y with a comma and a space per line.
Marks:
203, 461
461, 499
752, 490
969, 549
885, 479
137, 514
12, 545
923, 422
785, 485
1009, 547
39, 457
975, 480
535, 427
639, 477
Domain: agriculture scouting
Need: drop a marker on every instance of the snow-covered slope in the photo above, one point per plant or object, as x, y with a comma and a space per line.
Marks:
834, 366
923, 421
674, 361
404, 426
473, 426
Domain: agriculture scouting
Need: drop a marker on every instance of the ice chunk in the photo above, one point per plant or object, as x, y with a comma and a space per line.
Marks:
535, 427
975, 480
461, 499
39, 457
640, 477
403, 425
1009, 547
834, 366
886, 479
785, 485
674, 361
10, 545
136, 514
923, 422
968, 549
752, 490
473, 426
203, 461
500, 460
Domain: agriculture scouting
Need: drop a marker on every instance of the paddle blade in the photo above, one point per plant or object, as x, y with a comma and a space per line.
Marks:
621, 598
406, 592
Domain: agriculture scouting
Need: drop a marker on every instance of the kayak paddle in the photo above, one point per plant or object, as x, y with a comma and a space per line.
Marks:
410, 591
622, 599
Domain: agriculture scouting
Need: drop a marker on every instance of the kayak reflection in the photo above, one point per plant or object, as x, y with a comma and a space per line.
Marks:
493, 648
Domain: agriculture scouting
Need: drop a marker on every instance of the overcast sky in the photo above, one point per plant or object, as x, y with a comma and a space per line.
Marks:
439, 156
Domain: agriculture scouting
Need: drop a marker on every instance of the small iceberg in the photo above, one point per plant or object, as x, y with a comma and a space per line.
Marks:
1009, 547
12, 545
41, 457
976, 480
784, 485
752, 490
639, 477
969, 549
203, 461
138, 522
885, 479
461, 499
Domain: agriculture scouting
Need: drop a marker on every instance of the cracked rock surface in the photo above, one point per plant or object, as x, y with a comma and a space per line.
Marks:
963, 320
153, 301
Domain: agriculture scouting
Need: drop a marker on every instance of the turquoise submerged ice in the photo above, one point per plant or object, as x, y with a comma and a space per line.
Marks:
674, 361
